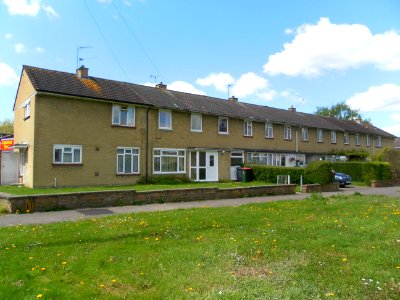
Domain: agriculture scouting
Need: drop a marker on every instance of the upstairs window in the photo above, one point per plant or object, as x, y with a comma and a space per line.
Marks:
164, 119
304, 133
287, 132
346, 138
333, 137
27, 109
378, 141
248, 128
196, 123
367, 140
357, 139
67, 154
223, 125
269, 130
123, 115
320, 135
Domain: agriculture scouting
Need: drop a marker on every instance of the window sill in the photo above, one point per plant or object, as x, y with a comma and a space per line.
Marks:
223, 133
289, 140
122, 126
269, 138
130, 174
67, 165
196, 131
305, 141
170, 129
248, 136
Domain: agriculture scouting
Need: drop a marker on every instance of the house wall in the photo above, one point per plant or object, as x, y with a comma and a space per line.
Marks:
24, 129
72, 121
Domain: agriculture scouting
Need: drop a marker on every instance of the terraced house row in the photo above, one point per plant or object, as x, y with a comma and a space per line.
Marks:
74, 129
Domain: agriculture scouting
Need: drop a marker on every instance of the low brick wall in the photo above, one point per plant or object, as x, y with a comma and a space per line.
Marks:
131, 197
318, 188
385, 183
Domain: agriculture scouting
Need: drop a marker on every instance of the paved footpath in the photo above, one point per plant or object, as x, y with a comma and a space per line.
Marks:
78, 214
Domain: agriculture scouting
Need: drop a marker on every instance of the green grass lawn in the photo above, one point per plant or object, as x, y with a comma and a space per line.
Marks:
343, 247
21, 190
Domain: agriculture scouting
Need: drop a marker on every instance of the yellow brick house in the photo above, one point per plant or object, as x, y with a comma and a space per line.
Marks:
75, 129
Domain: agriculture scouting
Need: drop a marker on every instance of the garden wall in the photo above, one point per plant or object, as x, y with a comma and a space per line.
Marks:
131, 197
385, 183
318, 188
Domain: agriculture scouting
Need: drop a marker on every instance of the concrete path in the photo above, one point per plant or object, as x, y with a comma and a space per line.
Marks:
73, 215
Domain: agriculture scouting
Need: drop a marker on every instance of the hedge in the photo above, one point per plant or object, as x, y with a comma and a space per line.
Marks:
354, 169
269, 173
319, 171
376, 170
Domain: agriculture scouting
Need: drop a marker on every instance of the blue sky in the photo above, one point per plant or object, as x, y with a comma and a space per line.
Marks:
303, 53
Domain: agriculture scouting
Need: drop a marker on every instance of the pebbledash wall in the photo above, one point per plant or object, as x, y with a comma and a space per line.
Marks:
37, 203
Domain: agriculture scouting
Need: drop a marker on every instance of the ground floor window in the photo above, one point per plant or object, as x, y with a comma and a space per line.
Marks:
169, 161
127, 160
276, 159
67, 154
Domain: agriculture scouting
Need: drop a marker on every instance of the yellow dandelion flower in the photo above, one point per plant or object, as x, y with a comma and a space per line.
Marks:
156, 238
114, 280
39, 296
397, 267
31, 257
42, 269
330, 294
33, 269
344, 259
189, 289
64, 263
102, 285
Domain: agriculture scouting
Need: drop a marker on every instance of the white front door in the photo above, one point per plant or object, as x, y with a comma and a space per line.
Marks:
204, 165
212, 166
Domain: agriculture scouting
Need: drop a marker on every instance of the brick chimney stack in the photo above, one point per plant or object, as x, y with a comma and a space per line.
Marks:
234, 99
161, 86
82, 72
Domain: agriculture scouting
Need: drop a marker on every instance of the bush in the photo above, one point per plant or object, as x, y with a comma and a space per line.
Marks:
269, 173
376, 171
319, 171
354, 169
165, 179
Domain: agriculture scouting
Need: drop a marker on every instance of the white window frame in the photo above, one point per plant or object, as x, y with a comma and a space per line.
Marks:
227, 125
193, 116
304, 134
124, 155
378, 141
269, 130
116, 115
320, 135
346, 138
247, 128
168, 119
63, 149
163, 153
287, 132
367, 140
27, 109
357, 139
333, 137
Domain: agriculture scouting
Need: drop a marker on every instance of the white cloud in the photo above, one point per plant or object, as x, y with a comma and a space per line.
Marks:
249, 84
39, 50
8, 36
29, 8
395, 117
288, 31
23, 7
7, 75
182, 86
394, 129
50, 12
20, 48
324, 46
385, 97
220, 81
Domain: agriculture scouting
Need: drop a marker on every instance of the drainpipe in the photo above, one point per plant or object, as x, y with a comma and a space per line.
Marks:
147, 144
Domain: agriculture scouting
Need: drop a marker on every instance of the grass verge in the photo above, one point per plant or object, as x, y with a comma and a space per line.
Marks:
343, 247
21, 190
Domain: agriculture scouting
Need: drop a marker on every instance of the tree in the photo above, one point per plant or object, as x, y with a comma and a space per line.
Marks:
341, 111
7, 126
391, 156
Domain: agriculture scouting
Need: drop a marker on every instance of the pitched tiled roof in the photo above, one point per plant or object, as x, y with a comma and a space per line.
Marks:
63, 83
